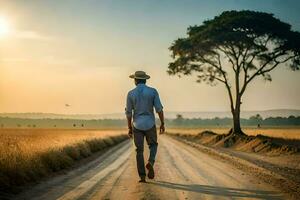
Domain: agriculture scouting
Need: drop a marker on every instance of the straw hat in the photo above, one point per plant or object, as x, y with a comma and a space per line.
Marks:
139, 75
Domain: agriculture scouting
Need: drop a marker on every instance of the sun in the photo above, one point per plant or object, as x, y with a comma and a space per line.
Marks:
4, 27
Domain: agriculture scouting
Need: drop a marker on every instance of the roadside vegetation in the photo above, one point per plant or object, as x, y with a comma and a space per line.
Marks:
28, 155
291, 132
266, 141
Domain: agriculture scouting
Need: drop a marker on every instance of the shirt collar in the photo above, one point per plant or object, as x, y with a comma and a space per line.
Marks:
141, 85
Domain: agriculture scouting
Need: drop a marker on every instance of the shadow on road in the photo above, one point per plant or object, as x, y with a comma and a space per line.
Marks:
220, 191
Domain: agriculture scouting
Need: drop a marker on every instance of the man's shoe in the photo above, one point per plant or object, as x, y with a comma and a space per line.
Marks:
143, 180
149, 166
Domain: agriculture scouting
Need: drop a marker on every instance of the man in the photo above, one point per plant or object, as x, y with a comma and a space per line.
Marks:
141, 121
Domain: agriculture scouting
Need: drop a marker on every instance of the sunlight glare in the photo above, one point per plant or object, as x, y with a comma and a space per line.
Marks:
4, 27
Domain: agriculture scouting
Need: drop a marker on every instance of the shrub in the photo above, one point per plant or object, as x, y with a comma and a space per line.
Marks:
56, 160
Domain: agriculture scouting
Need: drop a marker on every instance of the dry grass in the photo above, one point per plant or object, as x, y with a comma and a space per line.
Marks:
268, 141
32, 141
26, 155
282, 132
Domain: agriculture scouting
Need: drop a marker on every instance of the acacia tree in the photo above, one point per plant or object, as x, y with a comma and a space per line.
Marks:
234, 49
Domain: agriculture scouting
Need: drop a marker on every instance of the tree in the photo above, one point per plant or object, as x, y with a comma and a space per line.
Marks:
256, 119
179, 117
235, 48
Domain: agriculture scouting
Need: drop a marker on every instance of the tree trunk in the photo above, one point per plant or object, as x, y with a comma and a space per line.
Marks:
236, 129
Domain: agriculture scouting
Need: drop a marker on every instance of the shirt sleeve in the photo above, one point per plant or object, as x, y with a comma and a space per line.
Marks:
129, 106
157, 104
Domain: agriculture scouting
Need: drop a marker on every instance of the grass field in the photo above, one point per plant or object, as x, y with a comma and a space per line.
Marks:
32, 141
26, 155
279, 132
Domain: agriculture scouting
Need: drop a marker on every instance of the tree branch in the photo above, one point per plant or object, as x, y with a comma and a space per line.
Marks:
226, 84
219, 79
236, 58
227, 54
276, 63
223, 73
258, 72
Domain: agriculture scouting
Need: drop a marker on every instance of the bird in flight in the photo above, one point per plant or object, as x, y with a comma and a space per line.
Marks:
67, 105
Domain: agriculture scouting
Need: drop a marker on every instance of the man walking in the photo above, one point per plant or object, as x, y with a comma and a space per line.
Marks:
141, 121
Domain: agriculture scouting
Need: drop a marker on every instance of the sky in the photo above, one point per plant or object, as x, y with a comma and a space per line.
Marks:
81, 53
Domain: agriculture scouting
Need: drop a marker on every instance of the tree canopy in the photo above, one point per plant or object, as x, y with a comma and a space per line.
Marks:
253, 43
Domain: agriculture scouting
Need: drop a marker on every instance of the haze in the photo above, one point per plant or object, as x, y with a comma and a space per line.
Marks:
81, 53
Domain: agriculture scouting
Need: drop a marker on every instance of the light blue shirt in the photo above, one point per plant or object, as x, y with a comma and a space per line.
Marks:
140, 102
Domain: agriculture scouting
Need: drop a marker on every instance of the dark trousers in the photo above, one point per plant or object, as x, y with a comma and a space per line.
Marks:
151, 138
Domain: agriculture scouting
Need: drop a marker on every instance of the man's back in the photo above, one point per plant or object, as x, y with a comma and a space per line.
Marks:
141, 101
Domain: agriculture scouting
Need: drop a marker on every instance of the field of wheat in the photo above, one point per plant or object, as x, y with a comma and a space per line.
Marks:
279, 132
26, 155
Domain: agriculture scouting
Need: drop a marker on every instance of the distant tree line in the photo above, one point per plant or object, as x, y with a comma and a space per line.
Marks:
256, 120
7, 122
179, 121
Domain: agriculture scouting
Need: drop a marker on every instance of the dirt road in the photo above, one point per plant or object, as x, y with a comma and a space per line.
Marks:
182, 172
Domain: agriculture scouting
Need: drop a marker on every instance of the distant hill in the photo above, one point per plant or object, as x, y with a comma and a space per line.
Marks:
170, 115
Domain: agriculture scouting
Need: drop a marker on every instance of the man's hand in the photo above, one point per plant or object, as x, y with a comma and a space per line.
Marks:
162, 122
129, 123
130, 132
162, 129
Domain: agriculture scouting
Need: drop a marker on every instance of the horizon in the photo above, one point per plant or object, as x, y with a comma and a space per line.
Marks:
168, 114
104, 42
